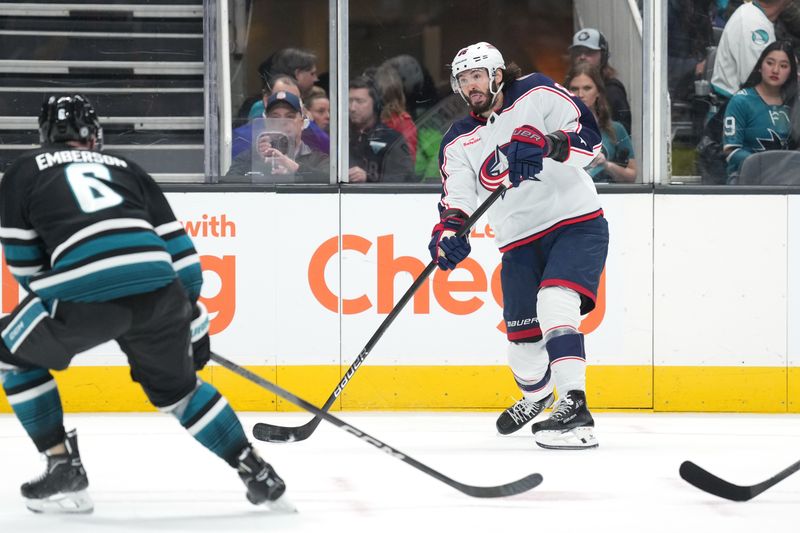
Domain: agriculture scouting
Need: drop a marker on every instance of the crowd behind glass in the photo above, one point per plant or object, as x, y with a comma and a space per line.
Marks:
732, 79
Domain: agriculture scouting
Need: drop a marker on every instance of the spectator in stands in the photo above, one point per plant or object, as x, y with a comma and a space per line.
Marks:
418, 85
280, 150
313, 135
757, 118
749, 30
393, 106
616, 163
318, 107
299, 64
432, 113
377, 152
591, 46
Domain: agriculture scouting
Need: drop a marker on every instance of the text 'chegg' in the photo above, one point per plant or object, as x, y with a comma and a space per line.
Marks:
444, 289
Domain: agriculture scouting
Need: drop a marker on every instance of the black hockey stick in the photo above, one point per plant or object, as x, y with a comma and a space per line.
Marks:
509, 489
271, 433
706, 481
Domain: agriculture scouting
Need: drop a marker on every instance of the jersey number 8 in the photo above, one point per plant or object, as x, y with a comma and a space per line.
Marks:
86, 182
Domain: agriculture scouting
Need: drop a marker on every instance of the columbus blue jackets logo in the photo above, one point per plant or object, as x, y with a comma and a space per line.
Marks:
494, 169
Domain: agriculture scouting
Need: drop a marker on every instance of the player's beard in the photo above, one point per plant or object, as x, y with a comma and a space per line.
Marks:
488, 102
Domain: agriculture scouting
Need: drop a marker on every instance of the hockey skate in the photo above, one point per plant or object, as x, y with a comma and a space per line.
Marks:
522, 412
264, 485
570, 427
62, 486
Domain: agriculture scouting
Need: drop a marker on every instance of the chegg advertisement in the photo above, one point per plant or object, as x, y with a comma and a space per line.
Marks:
307, 278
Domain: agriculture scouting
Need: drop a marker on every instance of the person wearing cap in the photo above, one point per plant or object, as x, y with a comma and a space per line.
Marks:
591, 46
280, 151
313, 135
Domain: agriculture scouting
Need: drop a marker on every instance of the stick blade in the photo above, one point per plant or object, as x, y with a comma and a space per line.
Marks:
708, 482
509, 489
280, 434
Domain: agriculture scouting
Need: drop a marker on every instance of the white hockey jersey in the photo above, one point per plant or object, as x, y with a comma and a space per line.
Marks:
745, 36
472, 162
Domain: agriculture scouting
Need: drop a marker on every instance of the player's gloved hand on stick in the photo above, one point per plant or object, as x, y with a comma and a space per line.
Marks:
201, 344
525, 154
447, 249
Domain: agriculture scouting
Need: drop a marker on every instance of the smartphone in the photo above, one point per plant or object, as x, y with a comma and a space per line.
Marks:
276, 139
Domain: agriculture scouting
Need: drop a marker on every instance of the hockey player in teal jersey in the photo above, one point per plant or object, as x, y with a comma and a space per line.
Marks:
757, 117
94, 242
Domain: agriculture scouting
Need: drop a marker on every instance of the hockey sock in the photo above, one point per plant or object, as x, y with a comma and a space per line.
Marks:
558, 309
530, 364
567, 359
207, 417
33, 395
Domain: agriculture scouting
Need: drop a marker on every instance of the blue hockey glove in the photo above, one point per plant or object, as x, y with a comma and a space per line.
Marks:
201, 344
445, 248
528, 148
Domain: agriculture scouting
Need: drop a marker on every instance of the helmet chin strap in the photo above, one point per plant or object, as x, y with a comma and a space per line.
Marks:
493, 93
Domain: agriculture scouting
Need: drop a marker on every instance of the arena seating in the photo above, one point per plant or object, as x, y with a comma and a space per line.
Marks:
140, 62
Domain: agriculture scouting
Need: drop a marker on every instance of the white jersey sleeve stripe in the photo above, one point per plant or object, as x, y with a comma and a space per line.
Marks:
98, 227
18, 233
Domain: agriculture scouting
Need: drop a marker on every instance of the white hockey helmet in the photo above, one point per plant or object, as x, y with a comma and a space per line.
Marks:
478, 55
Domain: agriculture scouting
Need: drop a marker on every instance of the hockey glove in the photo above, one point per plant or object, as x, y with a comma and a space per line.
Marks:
445, 248
201, 344
528, 148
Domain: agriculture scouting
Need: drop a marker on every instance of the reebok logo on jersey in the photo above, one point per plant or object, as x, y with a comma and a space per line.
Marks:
472, 141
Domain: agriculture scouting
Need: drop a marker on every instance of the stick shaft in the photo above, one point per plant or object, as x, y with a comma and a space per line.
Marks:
509, 489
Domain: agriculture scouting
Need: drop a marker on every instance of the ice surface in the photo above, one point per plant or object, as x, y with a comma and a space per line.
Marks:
147, 474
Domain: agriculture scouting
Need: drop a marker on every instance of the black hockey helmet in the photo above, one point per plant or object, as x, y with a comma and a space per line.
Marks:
69, 118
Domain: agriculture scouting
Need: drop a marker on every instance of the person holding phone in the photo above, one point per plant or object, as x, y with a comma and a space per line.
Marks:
280, 150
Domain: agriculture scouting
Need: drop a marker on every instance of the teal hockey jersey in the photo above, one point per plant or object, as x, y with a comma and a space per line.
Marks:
86, 226
751, 126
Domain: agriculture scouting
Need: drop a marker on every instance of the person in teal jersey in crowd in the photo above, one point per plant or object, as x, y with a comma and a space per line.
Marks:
757, 118
615, 163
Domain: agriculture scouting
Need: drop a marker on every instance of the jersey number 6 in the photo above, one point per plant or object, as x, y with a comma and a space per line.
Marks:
86, 182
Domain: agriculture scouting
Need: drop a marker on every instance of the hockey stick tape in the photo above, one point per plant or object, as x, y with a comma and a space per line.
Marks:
200, 324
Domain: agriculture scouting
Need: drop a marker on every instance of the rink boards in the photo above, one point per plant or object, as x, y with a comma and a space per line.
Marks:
693, 312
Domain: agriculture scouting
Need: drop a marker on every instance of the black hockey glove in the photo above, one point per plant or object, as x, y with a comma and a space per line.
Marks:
528, 148
201, 344
445, 248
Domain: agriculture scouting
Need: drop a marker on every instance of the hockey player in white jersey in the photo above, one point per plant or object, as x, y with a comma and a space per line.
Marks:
533, 135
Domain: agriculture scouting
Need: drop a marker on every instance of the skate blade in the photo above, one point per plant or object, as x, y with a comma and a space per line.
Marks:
281, 506
573, 439
62, 503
